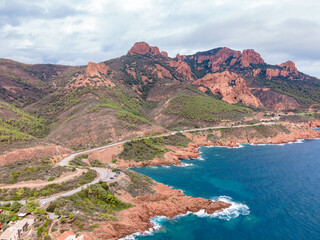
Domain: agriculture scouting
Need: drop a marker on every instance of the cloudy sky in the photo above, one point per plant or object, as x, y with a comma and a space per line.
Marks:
77, 31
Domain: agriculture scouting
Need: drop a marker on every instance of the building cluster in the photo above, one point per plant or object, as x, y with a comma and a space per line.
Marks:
15, 232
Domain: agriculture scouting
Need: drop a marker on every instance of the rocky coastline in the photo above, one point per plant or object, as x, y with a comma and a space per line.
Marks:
169, 202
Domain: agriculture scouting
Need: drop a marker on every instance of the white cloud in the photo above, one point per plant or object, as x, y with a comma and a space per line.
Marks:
75, 32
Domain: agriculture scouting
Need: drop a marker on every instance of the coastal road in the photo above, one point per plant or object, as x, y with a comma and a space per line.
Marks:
65, 161
105, 174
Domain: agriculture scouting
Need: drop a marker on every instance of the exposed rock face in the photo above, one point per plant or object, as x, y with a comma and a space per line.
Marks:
270, 73
94, 69
219, 58
290, 67
250, 56
202, 89
230, 86
164, 54
165, 202
95, 75
143, 48
315, 123
256, 72
183, 68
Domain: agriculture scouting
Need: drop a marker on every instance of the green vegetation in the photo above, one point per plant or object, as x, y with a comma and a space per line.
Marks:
23, 193
149, 148
20, 125
178, 140
95, 203
304, 91
143, 149
139, 185
32, 169
204, 108
97, 163
259, 131
77, 161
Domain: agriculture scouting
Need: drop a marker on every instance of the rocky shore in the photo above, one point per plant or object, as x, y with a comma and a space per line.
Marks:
293, 134
163, 202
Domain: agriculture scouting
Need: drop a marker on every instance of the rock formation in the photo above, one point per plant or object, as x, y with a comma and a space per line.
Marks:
230, 86
250, 56
144, 48
290, 67
94, 69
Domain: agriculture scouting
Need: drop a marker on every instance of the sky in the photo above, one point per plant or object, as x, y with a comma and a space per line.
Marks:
74, 32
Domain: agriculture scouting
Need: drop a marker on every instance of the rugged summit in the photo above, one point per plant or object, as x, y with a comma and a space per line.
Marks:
143, 48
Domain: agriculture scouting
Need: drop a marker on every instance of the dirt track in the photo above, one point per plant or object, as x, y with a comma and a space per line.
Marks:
40, 183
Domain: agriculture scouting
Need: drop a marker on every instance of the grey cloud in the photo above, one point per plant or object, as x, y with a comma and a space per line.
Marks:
78, 31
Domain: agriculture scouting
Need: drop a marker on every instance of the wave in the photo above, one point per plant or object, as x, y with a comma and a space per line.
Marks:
185, 165
277, 144
235, 210
156, 226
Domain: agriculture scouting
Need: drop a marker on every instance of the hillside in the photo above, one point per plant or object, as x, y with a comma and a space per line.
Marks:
142, 92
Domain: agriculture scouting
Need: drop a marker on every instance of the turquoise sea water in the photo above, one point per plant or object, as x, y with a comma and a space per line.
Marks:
275, 191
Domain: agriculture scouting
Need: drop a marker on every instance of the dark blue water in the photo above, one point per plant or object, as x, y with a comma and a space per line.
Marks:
279, 184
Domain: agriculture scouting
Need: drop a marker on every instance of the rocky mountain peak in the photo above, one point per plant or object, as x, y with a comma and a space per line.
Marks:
144, 48
250, 56
290, 67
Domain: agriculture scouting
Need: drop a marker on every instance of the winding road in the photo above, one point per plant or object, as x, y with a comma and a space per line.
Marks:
105, 174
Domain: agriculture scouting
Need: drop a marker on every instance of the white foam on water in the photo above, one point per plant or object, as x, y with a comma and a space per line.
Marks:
235, 210
166, 166
185, 165
156, 226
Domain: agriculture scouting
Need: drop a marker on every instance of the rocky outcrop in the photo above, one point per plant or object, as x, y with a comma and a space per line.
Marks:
94, 69
287, 68
290, 67
230, 86
270, 73
182, 68
164, 202
256, 72
164, 54
95, 75
315, 123
144, 48
249, 56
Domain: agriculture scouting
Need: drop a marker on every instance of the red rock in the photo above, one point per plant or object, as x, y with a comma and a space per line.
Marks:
202, 89
284, 73
143, 48
256, 72
182, 67
230, 86
315, 124
250, 56
270, 73
164, 54
290, 67
94, 69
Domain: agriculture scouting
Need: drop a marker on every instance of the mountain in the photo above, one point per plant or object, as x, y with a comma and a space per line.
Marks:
142, 92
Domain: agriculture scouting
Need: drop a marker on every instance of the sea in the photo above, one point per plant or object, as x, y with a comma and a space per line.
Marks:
274, 191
